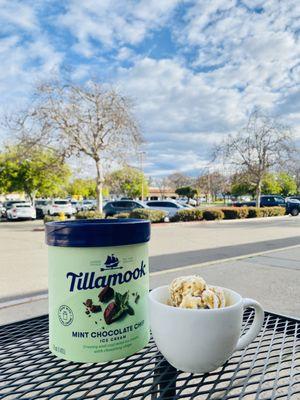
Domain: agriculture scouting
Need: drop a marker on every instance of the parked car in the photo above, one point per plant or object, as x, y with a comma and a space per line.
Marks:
9, 204
115, 207
76, 205
2, 210
40, 205
21, 211
87, 205
57, 206
185, 201
295, 197
292, 207
170, 206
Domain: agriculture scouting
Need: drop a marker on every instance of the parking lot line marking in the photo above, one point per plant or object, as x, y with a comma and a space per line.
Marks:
43, 296
222, 260
23, 300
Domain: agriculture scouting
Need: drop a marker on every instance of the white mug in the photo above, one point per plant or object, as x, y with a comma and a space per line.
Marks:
198, 340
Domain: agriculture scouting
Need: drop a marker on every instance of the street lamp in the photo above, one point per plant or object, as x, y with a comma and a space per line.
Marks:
141, 155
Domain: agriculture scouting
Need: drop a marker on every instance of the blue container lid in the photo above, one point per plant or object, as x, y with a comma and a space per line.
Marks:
97, 232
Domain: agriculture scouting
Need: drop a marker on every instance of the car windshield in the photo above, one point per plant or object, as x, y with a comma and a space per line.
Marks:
41, 202
12, 203
61, 202
23, 205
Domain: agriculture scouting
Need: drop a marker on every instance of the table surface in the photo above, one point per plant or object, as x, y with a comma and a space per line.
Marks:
269, 368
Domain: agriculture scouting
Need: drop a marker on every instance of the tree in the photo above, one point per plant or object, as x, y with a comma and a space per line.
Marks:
262, 145
36, 174
82, 188
287, 183
127, 181
212, 184
90, 121
270, 184
241, 185
178, 180
186, 191
163, 185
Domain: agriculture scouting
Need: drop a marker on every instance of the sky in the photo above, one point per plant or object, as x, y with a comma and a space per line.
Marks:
195, 69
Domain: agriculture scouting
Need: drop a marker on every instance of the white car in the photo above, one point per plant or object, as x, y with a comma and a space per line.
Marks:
87, 205
57, 206
21, 211
76, 205
170, 206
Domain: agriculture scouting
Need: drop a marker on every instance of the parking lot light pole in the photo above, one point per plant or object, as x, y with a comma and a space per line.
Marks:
141, 154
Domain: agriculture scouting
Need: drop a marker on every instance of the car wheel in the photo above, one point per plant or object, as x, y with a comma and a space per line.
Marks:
294, 212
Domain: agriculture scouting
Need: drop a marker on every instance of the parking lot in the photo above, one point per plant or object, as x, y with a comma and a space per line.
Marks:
23, 253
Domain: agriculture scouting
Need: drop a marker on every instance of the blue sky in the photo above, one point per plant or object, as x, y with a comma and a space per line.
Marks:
194, 68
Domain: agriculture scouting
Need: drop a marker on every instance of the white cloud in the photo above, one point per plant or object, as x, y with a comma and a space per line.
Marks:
15, 14
26, 53
113, 22
231, 56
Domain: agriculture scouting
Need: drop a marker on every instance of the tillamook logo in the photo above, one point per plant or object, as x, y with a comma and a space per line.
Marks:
89, 280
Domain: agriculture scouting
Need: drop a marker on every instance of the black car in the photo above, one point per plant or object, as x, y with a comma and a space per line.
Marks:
295, 197
115, 207
291, 207
39, 204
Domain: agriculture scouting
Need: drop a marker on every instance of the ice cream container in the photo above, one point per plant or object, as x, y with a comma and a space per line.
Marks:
98, 288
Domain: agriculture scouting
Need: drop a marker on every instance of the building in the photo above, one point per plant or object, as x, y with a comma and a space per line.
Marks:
156, 193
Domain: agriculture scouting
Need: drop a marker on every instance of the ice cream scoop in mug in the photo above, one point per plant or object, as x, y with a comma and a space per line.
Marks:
198, 340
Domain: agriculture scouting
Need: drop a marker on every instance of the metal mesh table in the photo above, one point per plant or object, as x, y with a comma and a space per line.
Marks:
269, 368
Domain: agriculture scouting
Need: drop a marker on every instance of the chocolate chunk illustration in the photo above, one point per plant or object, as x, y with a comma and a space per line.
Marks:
130, 310
137, 299
106, 294
89, 303
95, 309
110, 312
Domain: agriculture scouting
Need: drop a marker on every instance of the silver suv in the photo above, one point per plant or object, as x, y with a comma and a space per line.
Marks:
170, 206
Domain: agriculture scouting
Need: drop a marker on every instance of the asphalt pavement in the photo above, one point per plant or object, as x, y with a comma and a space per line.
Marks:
258, 258
23, 253
271, 278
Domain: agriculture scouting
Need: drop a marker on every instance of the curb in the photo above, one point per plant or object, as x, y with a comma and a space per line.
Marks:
44, 294
223, 221
221, 261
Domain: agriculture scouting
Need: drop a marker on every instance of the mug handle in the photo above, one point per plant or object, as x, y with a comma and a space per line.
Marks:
256, 324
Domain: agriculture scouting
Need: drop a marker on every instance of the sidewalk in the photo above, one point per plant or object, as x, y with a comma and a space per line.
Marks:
272, 278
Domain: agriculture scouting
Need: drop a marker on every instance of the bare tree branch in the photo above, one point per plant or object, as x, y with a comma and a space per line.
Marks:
78, 120
262, 145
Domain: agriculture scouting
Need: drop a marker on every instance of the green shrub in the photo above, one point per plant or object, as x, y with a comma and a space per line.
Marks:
212, 214
122, 215
276, 211
194, 214
51, 218
89, 215
265, 211
254, 212
151, 215
235, 212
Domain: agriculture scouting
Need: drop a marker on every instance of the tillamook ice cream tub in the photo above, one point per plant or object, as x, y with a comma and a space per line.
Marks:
98, 288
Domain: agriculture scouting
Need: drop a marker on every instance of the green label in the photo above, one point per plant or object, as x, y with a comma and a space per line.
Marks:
98, 302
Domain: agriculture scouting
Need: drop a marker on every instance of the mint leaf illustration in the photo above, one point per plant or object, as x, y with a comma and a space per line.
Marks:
121, 301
